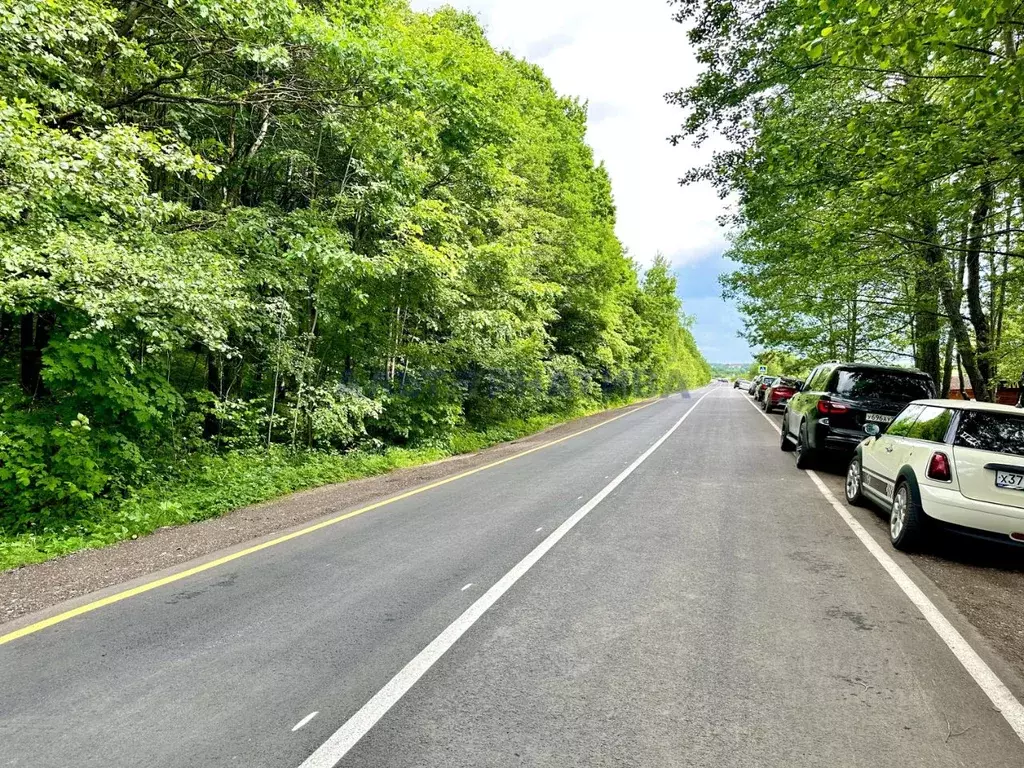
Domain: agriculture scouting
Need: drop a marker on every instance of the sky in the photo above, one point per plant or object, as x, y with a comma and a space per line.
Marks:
622, 58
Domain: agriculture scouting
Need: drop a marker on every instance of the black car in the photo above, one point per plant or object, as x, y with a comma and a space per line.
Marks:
838, 399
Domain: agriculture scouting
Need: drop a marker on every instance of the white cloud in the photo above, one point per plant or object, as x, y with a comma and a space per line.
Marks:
621, 58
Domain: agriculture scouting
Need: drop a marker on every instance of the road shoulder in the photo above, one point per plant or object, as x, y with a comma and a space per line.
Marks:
974, 585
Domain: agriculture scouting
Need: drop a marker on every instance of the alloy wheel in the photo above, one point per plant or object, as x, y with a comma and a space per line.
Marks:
853, 480
898, 516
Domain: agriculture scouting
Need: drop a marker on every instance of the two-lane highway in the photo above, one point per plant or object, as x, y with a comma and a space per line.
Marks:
663, 590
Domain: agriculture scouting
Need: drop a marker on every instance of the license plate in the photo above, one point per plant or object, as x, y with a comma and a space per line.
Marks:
879, 418
1010, 480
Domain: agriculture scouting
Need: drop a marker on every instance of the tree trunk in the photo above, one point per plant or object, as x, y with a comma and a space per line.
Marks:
982, 331
35, 336
951, 301
6, 329
960, 375
853, 330
927, 348
947, 367
211, 424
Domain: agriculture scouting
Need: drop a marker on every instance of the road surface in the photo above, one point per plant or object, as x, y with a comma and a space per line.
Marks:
664, 590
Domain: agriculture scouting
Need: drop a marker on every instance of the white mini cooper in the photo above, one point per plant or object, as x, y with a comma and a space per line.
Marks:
952, 463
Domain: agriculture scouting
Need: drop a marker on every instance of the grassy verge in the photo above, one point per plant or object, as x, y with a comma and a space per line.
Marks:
209, 486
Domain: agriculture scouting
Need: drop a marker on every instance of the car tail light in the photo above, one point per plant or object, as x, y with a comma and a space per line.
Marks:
938, 467
828, 408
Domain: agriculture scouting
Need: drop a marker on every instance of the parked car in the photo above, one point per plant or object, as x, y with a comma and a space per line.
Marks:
829, 412
740, 383
779, 393
945, 463
766, 381
753, 384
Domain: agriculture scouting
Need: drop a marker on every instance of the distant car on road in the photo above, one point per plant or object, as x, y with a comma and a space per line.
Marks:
945, 463
779, 393
762, 387
829, 412
740, 383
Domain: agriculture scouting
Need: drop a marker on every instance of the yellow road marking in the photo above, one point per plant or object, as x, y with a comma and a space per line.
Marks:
124, 595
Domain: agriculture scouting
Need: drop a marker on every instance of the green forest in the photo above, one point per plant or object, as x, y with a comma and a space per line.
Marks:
252, 247
875, 155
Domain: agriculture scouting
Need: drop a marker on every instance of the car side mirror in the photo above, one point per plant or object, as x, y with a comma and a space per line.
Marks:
872, 430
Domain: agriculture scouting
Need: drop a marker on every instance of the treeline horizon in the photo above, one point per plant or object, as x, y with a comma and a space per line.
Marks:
232, 227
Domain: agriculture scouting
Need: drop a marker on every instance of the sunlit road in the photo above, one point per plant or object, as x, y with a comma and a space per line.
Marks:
659, 591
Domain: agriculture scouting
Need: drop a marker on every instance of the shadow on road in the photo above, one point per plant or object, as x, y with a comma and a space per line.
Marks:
948, 545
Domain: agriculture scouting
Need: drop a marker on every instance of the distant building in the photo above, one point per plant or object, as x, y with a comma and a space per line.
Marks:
1006, 393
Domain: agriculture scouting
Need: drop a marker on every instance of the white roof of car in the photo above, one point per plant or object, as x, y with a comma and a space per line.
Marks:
972, 405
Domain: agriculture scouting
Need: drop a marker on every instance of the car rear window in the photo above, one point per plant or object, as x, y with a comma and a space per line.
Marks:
882, 385
990, 431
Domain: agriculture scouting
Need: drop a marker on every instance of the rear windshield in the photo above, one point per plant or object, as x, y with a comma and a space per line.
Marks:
988, 431
883, 385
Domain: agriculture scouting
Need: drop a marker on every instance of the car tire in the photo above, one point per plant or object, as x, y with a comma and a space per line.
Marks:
908, 526
855, 483
786, 444
805, 456
767, 408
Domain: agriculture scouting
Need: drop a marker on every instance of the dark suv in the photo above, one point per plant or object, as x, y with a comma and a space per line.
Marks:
838, 399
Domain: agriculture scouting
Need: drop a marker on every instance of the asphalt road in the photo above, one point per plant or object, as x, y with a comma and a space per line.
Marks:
710, 608
981, 580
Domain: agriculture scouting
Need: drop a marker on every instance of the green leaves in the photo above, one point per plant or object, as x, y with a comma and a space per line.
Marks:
227, 225
865, 131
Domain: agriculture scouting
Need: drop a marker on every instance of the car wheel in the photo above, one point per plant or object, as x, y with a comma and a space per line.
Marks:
805, 456
786, 445
767, 406
855, 483
907, 524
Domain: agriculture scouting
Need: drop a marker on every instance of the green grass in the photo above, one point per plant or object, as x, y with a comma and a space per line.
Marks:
209, 486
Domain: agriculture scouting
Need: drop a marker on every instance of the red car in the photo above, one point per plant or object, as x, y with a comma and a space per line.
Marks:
778, 394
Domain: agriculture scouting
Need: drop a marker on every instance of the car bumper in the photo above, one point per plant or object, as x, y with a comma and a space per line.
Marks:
839, 440
950, 506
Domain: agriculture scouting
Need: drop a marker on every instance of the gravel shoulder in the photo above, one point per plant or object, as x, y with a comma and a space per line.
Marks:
32, 588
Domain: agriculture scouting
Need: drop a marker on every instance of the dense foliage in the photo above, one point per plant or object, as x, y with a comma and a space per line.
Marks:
877, 157
234, 226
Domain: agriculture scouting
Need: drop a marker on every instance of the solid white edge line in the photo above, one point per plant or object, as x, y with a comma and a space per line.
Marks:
1000, 696
348, 735
304, 720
